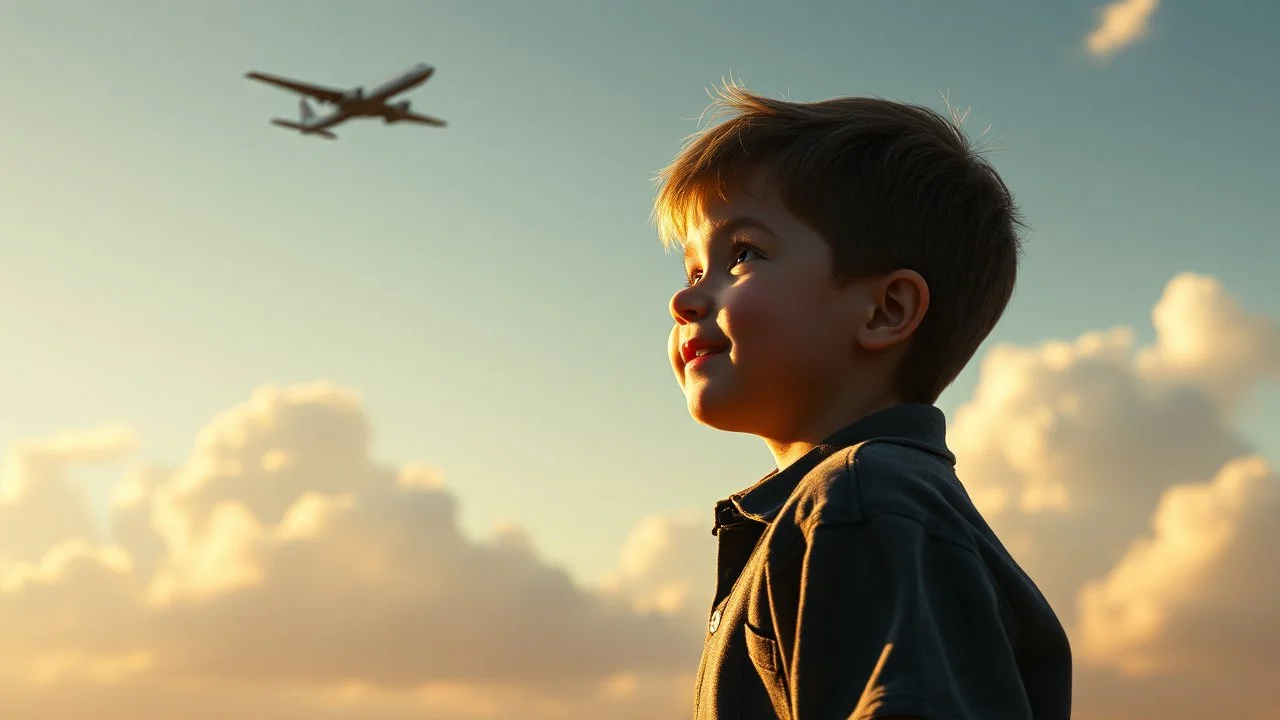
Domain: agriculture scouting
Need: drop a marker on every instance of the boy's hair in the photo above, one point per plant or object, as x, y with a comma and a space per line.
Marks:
889, 186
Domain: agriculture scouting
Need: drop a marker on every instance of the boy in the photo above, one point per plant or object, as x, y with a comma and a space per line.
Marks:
844, 261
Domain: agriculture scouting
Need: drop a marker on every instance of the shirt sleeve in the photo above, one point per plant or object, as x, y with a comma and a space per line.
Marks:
886, 580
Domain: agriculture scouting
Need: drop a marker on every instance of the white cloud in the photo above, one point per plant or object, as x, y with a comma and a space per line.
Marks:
1121, 24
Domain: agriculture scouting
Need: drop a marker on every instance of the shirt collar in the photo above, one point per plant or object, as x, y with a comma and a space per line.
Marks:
921, 425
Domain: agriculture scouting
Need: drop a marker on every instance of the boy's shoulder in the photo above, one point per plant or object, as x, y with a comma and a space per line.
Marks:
887, 476
888, 521
869, 542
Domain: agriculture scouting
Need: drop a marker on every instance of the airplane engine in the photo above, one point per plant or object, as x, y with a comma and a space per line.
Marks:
399, 108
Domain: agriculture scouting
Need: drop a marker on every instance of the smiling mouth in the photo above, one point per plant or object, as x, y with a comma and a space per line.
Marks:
695, 350
701, 357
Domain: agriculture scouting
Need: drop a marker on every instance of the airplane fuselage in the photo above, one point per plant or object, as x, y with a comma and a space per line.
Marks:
358, 102
404, 82
354, 102
374, 103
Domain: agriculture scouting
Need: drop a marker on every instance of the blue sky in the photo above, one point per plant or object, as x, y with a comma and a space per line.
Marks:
493, 290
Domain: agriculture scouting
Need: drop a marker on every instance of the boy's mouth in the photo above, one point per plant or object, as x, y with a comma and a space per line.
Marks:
696, 348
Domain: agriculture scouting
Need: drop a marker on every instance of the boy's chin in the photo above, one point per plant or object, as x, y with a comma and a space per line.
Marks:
720, 413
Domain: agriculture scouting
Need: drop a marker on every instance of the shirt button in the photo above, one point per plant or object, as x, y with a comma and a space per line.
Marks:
715, 621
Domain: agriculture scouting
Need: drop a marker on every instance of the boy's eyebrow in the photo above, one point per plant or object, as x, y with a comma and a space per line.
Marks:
728, 227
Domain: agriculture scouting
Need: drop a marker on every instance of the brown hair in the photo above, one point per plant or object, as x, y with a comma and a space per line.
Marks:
889, 186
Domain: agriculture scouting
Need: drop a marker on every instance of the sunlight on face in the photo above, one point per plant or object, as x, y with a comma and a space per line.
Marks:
762, 305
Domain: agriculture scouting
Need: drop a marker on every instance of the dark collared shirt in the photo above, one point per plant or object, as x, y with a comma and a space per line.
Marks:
869, 540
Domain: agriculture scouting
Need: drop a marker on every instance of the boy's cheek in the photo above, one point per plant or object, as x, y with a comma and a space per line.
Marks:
753, 320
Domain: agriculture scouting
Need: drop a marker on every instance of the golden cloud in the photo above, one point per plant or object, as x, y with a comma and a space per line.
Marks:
280, 555
1121, 24
280, 572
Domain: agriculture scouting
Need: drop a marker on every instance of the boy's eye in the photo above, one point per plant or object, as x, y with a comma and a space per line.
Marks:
743, 250
741, 253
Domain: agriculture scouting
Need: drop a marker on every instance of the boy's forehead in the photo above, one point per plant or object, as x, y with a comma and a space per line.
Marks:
710, 206
711, 216
719, 226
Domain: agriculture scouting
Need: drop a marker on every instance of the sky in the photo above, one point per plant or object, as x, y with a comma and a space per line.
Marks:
352, 407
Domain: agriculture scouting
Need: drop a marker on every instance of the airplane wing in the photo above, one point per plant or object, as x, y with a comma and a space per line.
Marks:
319, 92
418, 118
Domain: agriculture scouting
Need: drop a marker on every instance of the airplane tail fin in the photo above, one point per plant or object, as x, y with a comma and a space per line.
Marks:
304, 111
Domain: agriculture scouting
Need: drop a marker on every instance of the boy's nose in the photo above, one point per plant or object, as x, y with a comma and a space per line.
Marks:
689, 305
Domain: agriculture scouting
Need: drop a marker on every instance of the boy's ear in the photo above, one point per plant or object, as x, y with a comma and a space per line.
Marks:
895, 305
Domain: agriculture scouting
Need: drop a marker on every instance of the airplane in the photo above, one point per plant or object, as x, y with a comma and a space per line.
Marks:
352, 103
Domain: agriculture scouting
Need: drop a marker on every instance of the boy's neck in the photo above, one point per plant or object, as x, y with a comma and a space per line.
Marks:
787, 450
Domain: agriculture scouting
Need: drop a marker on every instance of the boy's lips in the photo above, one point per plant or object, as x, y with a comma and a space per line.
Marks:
696, 347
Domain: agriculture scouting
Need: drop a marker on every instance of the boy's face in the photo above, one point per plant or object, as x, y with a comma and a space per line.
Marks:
762, 299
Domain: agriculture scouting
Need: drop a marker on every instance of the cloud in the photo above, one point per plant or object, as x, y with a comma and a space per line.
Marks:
281, 572
38, 508
1199, 593
1085, 436
1207, 341
1115, 475
280, 556
1122, 23
668, 565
